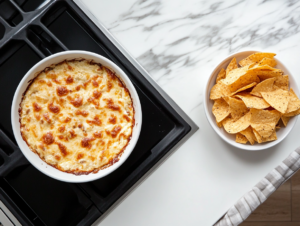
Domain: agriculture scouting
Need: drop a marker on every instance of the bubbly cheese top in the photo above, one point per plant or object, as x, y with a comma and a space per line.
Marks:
77, 116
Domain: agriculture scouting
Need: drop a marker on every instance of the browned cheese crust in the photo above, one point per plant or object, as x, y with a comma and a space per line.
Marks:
77, 116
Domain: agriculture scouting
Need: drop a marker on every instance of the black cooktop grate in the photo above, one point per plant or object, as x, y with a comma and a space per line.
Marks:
28, 34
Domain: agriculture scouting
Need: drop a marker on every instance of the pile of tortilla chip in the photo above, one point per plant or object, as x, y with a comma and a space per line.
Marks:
253, 100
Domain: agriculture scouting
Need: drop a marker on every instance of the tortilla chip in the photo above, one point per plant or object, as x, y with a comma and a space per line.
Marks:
255, 58
282, 82
264, 121
248, 133
265, 86
253, 101
239, 78
293, 113
278, 99
219, 124
294, 103
232, 65
270, 138
244, 88
220, 109
240, 139
277, 127
257, 136
258, 68
235, 74
221, 75
268, 61
285, 120
237, 108
260, 139
266, 74
226, 99
232, 126
219, 90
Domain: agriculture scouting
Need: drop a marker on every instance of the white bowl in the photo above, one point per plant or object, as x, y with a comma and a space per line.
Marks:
230, 138
33, 158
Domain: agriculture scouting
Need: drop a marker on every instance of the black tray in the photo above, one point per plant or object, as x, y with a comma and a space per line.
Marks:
28, 34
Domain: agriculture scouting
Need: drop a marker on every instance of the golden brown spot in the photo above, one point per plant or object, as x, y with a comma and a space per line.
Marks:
61, 102
109, 144
77, 102
68, 119
122, 135
48, 138
112, 106
86, 142
51, 75
92, 158
112, 119
72, 134
99, 145
36, 107
120, 83
61, 129
54, 109
126, 93
97, 94
57, 157
33, 131
86, 83
62, 91
126, 117
95, 83
46, 117
61, 137
70, 68
49, 84
41, 81
98, 134
56, 81
83, 113
93, 101
115, 131
69, 80
95, 121
109, 86
80, 156
41, 146
63, 149
37, 116
78, 87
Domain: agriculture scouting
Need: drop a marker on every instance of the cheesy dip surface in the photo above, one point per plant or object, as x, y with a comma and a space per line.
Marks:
77, 116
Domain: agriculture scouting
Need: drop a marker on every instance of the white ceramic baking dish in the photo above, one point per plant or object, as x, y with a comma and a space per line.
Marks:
33, 158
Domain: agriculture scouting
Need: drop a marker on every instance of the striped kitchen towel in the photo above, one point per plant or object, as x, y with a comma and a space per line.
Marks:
247, 204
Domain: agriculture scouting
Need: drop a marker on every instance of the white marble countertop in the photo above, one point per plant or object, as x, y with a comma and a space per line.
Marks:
179, 42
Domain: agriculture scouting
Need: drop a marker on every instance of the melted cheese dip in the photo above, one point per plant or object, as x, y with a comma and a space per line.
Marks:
77, 116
